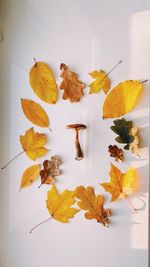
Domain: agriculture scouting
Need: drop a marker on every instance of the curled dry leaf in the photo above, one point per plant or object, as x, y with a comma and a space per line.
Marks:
101, 82
116, 153
121, 185
93, 204
29, 176
134, 146
73, 88
35, 113
51, 169
59, 205
43, 83
33, 144
122, 99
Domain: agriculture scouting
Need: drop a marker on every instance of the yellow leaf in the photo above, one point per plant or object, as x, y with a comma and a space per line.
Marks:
101, 82
59, 204
32, 143
122, 99
29, 176
43, 83
93, 204
35, 113
121, 184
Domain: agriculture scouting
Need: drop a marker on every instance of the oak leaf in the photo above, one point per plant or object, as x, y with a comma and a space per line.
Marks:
101, 82
29, 176
73, 88
43, 83
59, 205
122, 98
93, 204
127, 134
50, 170
35, 113
33, 144
121, 185
116, 153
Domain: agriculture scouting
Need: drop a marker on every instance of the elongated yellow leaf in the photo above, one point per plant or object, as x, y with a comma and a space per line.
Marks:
29, 176
35, 113
122, 99
43, 83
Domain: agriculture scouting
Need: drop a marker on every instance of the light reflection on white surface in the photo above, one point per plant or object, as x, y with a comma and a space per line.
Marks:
140, 67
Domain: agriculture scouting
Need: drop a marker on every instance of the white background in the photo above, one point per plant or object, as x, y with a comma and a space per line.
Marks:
85, 35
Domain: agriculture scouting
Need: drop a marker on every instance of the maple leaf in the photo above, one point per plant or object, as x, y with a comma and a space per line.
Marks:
35, 113
51, 169
101, 82
122, 98
29, 176
33, 144
121, 185
59, 205
116, 153
43, 83
93, 204
73, 88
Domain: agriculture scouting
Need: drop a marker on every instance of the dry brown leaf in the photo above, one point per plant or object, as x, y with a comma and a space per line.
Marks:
116, 153
51, 169
73, 88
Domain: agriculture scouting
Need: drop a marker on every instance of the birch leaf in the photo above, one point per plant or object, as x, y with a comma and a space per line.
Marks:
121, 185
92, 204
122, 99
29, 176
33, 144
59, 205
35, 113
43, 83
101, 82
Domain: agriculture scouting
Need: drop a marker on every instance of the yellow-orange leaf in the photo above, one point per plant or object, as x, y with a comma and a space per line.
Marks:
59, 204
122, 98
29, 176
33, 144
121, 184
93, 204
101, 82
43, 83
35, 113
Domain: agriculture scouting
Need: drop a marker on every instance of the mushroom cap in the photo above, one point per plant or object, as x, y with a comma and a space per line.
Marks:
76, 126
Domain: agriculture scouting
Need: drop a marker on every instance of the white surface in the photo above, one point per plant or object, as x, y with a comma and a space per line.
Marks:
86, 35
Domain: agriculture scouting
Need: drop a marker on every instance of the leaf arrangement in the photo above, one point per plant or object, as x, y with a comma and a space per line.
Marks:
119, 101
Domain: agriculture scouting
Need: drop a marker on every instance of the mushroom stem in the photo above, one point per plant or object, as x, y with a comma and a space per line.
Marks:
79, 153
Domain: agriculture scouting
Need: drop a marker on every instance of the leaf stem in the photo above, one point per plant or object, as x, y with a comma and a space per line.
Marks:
131, 204
12, 160
49, 129
40, 224
34, 60
144, 81
120, 61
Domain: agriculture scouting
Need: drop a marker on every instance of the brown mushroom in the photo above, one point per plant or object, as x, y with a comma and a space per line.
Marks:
77, 127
